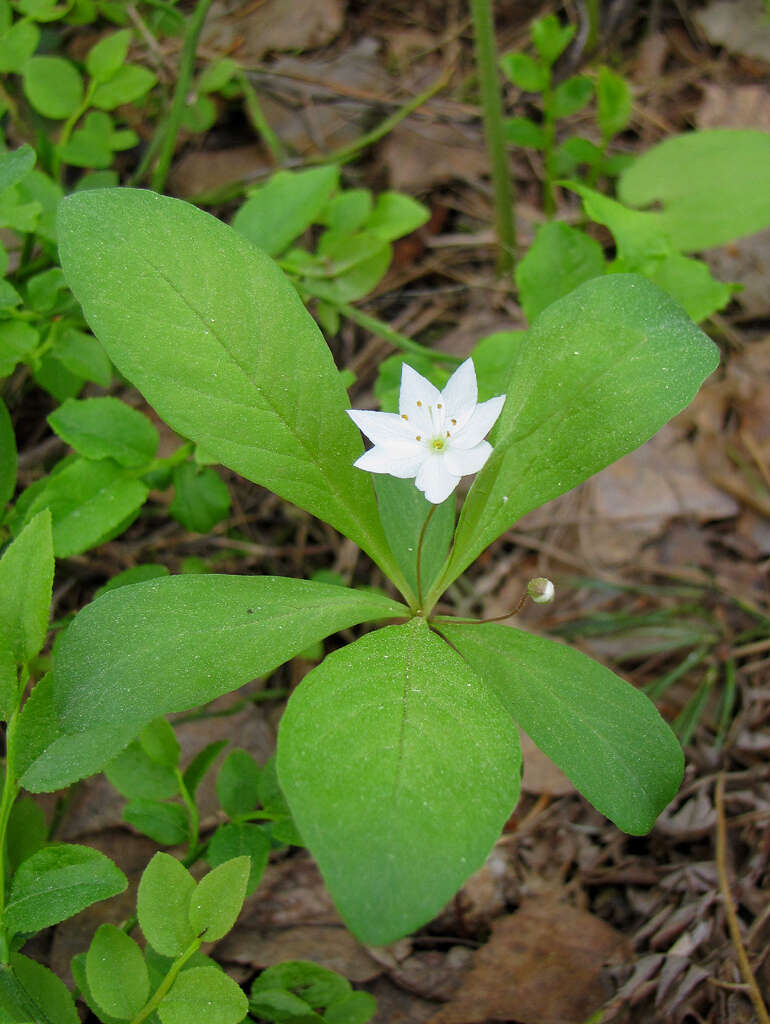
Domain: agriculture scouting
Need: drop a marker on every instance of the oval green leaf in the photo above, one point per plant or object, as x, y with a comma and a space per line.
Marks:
602, 370
400, 768
117, 974
606, 736
216, 338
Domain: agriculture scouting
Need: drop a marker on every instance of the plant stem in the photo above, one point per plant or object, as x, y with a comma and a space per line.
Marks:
10, 792
170, 129
167, 982
68, 126
259, 121
492, 106
378, 327
347, 153
192, 814
549, 137
419, 554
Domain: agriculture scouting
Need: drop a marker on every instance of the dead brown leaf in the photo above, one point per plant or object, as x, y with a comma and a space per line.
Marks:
541, 775
420, 154
741, 26
334, 948
542, 965
252, 30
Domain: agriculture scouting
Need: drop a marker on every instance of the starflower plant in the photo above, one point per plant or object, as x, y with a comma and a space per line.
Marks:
437, 437
398, 754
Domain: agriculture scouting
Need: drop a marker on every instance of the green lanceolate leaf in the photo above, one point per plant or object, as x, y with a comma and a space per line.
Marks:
604, 734
172, 644
57, 882
602, 370
26, 582
116, 972
216, 338
420, 771
162, 903
102, 428
48, 759
712, 184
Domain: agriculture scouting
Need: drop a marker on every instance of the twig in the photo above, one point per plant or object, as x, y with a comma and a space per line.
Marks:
727, 899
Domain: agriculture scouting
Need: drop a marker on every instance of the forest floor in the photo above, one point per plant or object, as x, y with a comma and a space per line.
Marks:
660, 561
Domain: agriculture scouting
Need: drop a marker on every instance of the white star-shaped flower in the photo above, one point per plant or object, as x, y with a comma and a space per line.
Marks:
436, 436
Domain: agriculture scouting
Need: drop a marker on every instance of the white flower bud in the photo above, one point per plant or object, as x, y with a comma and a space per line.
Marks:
541, 590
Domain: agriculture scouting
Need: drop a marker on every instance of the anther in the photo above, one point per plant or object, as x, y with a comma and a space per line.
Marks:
439, 405
419, 403
404, 416
454, 423
447, 433
419, 437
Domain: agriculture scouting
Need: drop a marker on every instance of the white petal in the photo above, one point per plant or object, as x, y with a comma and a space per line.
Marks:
480, 423
399, 458
435, 480
462, 462
460, 394
416, 389
381, 427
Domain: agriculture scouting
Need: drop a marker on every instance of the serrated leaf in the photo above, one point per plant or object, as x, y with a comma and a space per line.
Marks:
201, 498
603, 369
238, 783
128, 84
200, 764
26, 584
87, 501
421, 770
27, 831
280, 210
205, 995
614, 102
16, 165
53, 86
58, 882
116, 972
8, 455
218, 898
102, 428
524, 71
126, 657
167, 824
134, 775
162, 903
606, 736
238, 366
106, 57
244, 839
32, 991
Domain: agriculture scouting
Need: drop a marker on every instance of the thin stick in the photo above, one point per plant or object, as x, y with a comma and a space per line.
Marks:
480, 622
419, 554
492, 108
727, 899
186, 61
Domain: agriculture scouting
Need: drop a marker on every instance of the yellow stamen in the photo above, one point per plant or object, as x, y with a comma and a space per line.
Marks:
404, 416
418, 438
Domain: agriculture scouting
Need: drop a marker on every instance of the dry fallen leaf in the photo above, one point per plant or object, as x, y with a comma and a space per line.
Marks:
253, 30
542, 965
541, 775
420, 154
741, 26
334, 948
